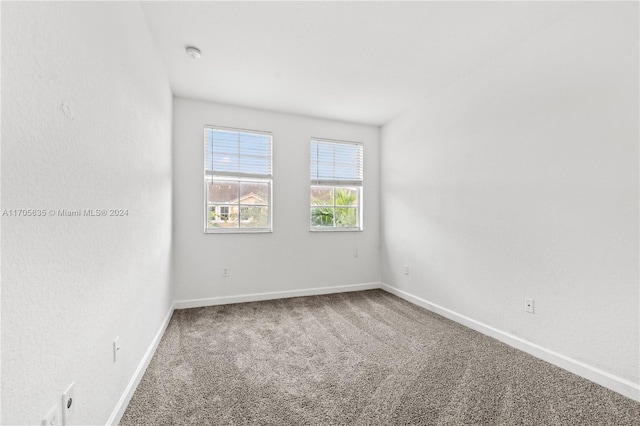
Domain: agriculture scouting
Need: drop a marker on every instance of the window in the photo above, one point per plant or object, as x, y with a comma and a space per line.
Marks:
224, 212
238, 180
336, 186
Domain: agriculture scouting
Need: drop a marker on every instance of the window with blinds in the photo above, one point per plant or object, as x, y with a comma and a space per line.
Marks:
238, 180
336, 185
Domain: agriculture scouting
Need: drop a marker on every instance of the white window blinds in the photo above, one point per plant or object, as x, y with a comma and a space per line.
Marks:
336, 163
237, 153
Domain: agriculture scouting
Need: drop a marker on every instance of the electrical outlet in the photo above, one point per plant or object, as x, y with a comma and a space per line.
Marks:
528, 305
225, 272
68, 404
406, 269
52, 418
116, 348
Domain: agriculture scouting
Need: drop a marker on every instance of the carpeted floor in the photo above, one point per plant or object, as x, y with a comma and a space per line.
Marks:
364, 358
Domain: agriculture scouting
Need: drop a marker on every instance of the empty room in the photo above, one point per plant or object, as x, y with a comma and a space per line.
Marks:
320, 213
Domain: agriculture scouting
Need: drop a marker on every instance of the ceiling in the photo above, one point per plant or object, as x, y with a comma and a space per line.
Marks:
362, 62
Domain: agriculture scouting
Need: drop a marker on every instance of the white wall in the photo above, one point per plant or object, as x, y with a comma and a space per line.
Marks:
86, 114
521, 180
291, 258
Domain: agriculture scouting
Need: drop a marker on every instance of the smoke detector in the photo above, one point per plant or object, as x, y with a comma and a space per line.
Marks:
194, 52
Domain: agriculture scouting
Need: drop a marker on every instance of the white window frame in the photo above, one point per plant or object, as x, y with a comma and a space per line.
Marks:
337, 182
238, 177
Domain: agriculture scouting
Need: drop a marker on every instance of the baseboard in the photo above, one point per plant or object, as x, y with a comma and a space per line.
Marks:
122, 404
255, 297
610, 381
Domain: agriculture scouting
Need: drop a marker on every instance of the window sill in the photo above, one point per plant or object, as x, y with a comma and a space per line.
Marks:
328, 229
238, 231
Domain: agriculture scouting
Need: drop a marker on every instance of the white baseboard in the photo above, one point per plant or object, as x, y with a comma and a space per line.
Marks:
255, 297
122, 404
610, 381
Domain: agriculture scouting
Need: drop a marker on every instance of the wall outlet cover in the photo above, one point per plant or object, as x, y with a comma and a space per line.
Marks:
528, 305
116, 348
68, 404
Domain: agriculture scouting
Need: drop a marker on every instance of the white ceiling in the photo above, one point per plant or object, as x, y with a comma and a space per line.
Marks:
363, 62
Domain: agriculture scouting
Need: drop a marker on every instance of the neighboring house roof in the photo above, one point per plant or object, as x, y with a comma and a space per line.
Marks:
227, 192
251, 196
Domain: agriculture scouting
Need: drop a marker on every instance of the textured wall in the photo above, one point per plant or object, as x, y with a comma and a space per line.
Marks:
292, 257
521, 180
86, 124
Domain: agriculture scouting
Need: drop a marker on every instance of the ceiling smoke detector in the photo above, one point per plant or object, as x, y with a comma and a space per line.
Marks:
194, 52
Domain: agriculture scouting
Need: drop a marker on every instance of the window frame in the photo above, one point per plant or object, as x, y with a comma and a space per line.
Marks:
239, 178
335, 185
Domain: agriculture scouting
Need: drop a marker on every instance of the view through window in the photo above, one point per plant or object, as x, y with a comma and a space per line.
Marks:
238, 180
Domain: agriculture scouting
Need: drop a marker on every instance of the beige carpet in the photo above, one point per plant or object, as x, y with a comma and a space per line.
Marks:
364, 358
